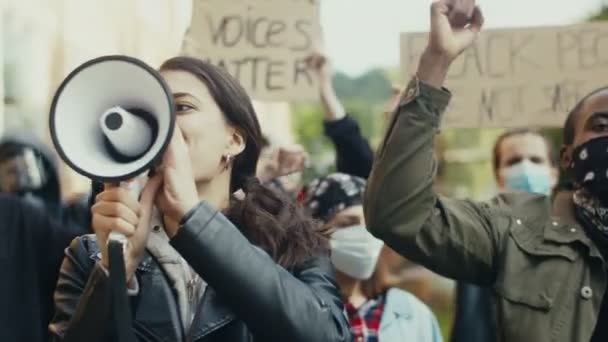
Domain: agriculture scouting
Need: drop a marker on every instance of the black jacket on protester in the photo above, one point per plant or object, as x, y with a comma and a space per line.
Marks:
354, 156
31, 250
248, 298
69, 214
50, 193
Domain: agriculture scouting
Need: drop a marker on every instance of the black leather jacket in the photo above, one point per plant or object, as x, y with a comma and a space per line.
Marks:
248, 298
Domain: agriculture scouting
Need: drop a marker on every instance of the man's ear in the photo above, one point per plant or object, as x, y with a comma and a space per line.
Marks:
565, 156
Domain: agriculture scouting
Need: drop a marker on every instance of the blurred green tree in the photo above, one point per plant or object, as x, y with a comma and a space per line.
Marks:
601, 15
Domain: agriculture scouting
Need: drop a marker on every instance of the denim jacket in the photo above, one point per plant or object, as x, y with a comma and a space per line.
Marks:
406, 318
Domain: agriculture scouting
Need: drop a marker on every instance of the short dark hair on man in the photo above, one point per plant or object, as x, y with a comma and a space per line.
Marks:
568, 135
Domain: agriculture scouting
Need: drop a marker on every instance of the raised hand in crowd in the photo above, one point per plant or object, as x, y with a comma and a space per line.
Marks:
279, 161
446, 41
354, 155
332, 107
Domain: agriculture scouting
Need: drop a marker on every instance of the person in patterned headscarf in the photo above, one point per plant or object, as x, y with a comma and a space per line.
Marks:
336, 200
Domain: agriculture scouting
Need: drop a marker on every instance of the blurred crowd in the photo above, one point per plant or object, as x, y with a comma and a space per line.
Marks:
376, 214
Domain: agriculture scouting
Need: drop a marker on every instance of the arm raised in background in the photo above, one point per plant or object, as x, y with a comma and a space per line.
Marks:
354, 155
455, 238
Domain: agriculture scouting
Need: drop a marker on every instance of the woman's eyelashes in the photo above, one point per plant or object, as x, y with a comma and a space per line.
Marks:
183, 108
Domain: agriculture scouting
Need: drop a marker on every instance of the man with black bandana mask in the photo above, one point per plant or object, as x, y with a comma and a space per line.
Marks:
546, 263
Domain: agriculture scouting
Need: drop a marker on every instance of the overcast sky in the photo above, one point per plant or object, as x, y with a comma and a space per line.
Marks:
362, 34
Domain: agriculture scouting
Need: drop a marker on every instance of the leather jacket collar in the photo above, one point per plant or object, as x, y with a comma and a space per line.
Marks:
156, 311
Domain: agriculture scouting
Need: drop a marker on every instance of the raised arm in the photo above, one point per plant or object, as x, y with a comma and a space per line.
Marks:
333, 109
455, 238
354, 155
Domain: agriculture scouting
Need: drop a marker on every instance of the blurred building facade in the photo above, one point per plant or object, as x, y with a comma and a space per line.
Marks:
41, 41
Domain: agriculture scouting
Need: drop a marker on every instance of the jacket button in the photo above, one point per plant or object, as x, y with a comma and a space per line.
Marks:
586, 292
554, 224
518, 221
572, 230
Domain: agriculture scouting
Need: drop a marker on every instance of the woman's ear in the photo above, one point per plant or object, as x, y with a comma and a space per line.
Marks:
236, 142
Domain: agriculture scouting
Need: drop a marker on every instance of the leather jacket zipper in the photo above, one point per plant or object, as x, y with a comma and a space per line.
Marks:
191, 289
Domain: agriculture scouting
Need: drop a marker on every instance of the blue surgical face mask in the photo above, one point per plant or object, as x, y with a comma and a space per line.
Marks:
529, 177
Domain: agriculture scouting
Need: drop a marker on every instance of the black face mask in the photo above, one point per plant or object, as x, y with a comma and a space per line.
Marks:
590, 167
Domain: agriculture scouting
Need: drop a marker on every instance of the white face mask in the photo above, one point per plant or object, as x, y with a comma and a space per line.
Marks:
355, 252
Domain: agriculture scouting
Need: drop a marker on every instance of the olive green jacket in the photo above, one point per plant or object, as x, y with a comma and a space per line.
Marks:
547, 275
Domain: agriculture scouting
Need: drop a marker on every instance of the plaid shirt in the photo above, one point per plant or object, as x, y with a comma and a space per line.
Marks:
365, 321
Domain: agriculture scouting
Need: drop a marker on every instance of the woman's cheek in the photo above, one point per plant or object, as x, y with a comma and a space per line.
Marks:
206, 160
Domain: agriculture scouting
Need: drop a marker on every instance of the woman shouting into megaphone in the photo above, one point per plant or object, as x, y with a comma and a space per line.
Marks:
202, 265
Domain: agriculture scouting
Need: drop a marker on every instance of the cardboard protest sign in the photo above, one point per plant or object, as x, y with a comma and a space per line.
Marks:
520, 77
263, 43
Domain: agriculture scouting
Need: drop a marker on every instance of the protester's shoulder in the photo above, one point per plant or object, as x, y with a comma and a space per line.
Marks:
320, 264
525, 206
13, 204
519, 201
22, 213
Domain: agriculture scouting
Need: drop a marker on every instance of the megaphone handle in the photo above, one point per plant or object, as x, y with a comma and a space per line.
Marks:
120, 301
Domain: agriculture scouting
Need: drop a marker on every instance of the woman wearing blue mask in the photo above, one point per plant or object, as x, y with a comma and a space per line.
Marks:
376, 313
523, 160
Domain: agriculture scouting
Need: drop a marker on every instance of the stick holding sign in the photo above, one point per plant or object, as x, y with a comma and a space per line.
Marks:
520, 77
264, 44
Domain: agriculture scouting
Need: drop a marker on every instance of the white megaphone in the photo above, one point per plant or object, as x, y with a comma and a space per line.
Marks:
112, 119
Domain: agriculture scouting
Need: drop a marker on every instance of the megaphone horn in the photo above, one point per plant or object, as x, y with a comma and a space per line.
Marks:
119, 125
112, 118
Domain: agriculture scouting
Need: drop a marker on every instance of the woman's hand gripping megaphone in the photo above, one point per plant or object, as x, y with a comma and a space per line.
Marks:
117, 211
178, 193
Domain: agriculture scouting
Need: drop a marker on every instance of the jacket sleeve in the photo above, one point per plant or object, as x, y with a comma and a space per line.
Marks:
354, 156
458, 239
82, 298
474, 315
274, 304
